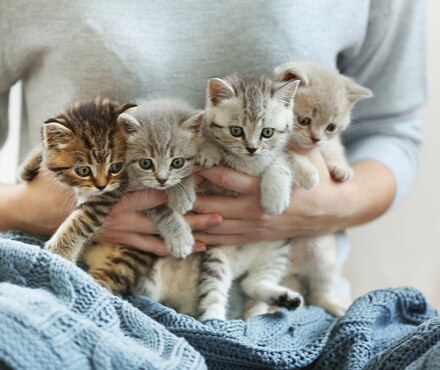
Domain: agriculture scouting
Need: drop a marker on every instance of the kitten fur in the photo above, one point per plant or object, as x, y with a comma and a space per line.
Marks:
323, 106
166, 132
248, 124
85, 148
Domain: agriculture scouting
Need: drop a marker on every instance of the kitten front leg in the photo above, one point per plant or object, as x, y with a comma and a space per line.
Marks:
173, 229
182, 196
334, 157
305, 174
275, 185
214, 283
82, 223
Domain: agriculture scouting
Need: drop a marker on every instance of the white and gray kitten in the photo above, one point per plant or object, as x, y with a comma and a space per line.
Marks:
323, 106
163, 144
248, 124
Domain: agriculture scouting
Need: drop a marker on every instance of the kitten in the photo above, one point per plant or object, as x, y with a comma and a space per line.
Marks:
85, 148
161, 155
248, 124
323, 106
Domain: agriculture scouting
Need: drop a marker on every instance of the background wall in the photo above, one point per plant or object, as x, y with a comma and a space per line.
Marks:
402, 247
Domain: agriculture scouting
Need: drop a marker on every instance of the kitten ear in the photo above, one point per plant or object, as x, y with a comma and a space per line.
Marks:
131, 124
123, 107
285, 92
219, 90
289, 72
55, 133
195, 122
356, 92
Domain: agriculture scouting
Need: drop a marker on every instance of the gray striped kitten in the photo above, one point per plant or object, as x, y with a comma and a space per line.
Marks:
249, 122
161, 154
323, 106
85, 147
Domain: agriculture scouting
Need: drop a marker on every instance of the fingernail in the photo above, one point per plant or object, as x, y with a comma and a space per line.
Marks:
199, 246
214, 220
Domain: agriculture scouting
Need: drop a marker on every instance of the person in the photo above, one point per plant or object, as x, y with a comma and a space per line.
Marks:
67, 51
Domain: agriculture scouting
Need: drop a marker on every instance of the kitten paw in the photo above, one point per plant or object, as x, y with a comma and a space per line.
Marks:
275, 205
333, 305
341, 173
290, 300
182, 246
63, 251
209, 159
307, 180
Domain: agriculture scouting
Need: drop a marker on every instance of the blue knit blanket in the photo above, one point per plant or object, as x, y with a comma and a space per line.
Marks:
53, 316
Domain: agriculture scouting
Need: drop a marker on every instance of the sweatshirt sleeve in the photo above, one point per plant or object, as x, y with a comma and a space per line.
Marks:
391, 62
14, 57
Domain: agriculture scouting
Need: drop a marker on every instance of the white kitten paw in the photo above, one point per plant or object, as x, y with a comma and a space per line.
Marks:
181, 246
307, 180
341, 173
275, 205
333, 305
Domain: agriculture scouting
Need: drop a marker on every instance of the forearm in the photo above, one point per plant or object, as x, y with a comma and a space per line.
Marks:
8, 210
37, 207
367, 196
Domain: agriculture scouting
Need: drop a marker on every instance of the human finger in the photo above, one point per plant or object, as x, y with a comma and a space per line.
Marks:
203, 221
146, 243
130, 222
140, 200
239, 207
235, 239
232, 180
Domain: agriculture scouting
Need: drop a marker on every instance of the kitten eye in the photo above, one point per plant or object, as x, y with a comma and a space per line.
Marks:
267, 132
304, 121
115, 168
331, 127
83, 171
146, 164
236, 131
177, 163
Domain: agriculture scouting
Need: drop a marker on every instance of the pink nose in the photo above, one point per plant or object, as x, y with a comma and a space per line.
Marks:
315, 140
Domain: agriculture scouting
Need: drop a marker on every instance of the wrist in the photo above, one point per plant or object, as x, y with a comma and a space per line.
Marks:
10, 206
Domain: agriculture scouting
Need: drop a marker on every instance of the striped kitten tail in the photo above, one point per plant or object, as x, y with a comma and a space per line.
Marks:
30, 167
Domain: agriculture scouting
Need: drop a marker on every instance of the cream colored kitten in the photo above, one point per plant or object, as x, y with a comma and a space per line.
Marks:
322, 110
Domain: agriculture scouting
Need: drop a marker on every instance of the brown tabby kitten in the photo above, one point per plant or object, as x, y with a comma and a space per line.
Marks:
85, 147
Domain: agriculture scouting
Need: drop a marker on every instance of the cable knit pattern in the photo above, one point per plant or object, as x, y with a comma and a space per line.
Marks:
53, 316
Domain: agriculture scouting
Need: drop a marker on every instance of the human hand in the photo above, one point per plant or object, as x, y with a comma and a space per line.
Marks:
129, 226
37, 207
319, 211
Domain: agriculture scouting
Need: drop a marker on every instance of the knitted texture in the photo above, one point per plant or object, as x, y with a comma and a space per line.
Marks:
54, 316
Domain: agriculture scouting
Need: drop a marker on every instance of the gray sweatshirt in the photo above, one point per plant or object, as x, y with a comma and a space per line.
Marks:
68, 50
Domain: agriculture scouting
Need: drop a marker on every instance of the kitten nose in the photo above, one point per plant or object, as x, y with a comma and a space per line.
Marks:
100, 187
251, 150
161, 181
315, 140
